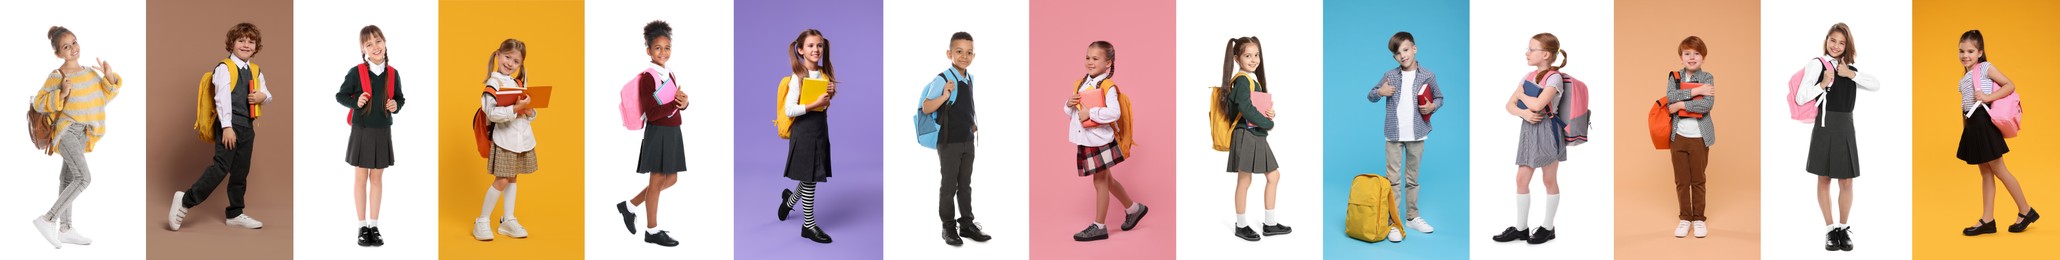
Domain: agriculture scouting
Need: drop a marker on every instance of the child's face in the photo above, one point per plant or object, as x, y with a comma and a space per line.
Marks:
1835, 44
375, 49
1691, 59
961, 53
1097, 61
1405, 54
1537, 55
1968, 54
1248, 58
660, 50
511, 63
812, 50
68, 48
245, 47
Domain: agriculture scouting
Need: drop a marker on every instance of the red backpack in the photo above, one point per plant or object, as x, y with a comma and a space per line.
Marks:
365, 85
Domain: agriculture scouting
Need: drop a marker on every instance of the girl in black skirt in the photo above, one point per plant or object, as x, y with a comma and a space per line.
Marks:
808, 143
1834, 148
372, 91
663, 154
1981, 142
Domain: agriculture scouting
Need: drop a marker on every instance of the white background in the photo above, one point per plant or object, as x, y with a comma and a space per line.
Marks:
917, 35
696, 210
106, 211
326, 34
1791, 32
1291, 34
1501, 30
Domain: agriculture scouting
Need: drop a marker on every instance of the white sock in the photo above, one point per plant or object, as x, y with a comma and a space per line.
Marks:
1134, 207
1829, 228
1099, 225
653, 230
1523, 212
363, 223
508, 204
634, 208
372, 223
492, 195
1240, 220
1269, 218
1551, 209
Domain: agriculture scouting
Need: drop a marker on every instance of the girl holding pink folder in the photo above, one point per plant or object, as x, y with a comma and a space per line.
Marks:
1249, 151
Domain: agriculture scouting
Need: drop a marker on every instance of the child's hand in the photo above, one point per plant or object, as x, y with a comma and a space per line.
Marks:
1529, 116
1387, 90
107, 73
1705, 90
229, 137
255, 97
1269, 113
949, 87
362, 97
831, 91
1676, 107
1845, 70
522, 106
1426, 109
1073, 101
392, 107
682, 98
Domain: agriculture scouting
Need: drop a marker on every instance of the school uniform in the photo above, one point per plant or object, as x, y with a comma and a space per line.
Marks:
808, 140
1980, 140
955, 147
1095, 148
1834, 147
1540, 144
1406, 127
80, 122
232, 97
1249, 150
371, 135
1691, 141
664, 148
514, 141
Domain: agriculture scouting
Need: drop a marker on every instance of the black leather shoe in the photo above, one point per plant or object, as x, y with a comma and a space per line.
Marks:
661, 238
2024, 221
377, 239
1245, 233
1543, 235
951, 236
629, 219
1986, 227
1511, 234
1130, 220
1845, 239
969, 229
815, 234
784, 208
1276, 229
1831, 239
364, 236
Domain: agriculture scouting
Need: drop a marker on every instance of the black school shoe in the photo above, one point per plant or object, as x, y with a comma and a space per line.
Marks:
377, 239
1130, 220
1092, 233
1275, 229
815, 234
1831, 239
2024, 221
951, 235
784, 195
1245, 233
661, 238
1511, 234
1543, 235
1985, 227
364, 236
1845, 239
629, 219
969, 229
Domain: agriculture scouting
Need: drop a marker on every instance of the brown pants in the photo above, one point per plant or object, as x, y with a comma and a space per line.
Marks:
1691, 159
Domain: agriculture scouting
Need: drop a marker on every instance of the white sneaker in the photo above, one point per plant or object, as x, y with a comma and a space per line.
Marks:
1419, 225
244, 221
481, 230
1681, 230
178, 210
49, 230
72, 236
513, 229
1395, 235
1701, 229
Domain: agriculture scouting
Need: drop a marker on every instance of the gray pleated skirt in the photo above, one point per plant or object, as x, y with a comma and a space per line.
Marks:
1834, 149
1538, 145
1250, 153
664, 150
370, 147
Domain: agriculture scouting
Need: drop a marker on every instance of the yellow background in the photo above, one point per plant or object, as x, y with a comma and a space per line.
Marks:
550, 199
2020, 37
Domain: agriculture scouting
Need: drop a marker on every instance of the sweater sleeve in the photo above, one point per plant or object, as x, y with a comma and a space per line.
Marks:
1242, 95
348, 93
400, 99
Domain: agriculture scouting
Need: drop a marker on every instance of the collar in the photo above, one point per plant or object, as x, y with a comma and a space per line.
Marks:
815, 74
240, 63
377, 68
662, 71
502, 81
953, 73
1095, 81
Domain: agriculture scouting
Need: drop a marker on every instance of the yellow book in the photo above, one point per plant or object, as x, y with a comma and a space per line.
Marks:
811, 89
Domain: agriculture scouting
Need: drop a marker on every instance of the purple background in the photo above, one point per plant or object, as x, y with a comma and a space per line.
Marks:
848, 206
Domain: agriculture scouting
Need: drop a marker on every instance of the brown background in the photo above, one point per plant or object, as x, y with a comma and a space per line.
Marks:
185, 38
1648, 36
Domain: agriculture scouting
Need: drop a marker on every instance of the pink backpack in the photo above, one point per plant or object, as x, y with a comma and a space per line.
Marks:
2007, 113
1806, 111
632, 110
1573, 116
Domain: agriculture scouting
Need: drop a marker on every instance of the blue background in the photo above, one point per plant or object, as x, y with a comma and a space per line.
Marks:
1355, 54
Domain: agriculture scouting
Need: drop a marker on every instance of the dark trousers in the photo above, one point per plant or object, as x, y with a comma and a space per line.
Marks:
233, 164
955, 161
1691, 159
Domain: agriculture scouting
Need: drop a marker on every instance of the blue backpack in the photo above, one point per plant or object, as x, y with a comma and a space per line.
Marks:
926, 124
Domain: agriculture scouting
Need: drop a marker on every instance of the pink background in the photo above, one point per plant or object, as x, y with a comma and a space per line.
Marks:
1061, 201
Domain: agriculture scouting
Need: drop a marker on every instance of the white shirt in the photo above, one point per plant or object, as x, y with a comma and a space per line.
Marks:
794, 106
511, 131
1405, 128
1107, 116
224, 85
377, 68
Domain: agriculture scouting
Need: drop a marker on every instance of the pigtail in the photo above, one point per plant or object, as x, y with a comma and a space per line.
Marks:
1230, 63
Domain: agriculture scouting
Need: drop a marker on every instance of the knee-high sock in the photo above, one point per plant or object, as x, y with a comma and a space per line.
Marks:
492, 195
508, 204
1523, 211
793, 200
1551, 210
807, 204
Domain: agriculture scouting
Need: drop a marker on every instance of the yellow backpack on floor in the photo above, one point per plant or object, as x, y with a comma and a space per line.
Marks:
1370, 209
204, 107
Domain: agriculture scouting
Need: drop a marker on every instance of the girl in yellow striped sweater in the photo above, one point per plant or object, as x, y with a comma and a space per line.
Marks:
75, 98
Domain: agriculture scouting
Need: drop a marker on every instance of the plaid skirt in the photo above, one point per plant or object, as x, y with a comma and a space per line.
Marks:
505, 163
1098, 158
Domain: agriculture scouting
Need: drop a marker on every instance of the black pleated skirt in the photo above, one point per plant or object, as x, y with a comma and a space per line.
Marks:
1980, 140
664, 150
808, 148
1834, 149
370, 147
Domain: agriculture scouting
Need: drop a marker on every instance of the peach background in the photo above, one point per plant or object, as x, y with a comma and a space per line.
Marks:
1061, 201
2020, 38
1648, 33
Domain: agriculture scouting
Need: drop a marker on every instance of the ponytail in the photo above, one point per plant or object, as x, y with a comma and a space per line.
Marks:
1229, 63
1551, 45
1979, 44
510, 45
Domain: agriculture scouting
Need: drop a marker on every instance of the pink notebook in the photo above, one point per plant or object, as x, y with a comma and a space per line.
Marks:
1092, 98
1263, 101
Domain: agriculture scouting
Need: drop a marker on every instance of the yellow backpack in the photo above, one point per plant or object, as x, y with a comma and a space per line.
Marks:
204, 106
1370, 209
1222, 115
780, 120
1123, 125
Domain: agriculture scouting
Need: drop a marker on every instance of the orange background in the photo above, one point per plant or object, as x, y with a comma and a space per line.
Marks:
1648, 36
2020, 37
550, 199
